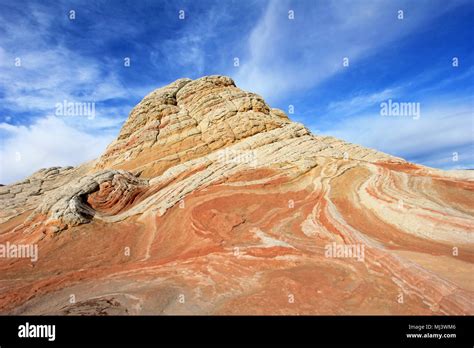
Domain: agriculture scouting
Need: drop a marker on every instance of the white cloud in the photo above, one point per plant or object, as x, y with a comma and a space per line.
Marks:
49, 74
291, 55
48, 142
47, 77
361, 102
186, 53
442, 129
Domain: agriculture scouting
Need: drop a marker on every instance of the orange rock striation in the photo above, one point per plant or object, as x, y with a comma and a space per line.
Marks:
211, 202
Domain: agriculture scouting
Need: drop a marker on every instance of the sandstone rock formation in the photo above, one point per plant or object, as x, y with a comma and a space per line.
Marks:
211, 202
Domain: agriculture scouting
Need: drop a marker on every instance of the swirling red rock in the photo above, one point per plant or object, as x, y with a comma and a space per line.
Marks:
211, 202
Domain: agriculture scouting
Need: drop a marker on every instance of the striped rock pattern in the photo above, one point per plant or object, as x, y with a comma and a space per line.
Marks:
211, 202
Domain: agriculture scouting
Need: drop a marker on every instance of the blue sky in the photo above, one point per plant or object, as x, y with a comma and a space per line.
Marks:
296, 62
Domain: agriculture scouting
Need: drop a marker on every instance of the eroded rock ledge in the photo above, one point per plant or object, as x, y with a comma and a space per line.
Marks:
92, 196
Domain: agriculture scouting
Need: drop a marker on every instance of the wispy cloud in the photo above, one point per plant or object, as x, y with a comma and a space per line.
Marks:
287, 56
361, 102
444, 128
48, 142
196, 45
38, 71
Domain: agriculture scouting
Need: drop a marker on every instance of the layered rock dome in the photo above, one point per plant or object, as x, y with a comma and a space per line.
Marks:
212, 202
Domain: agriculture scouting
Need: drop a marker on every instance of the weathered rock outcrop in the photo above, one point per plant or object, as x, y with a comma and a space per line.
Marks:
27, 194
91, 196
210, 201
